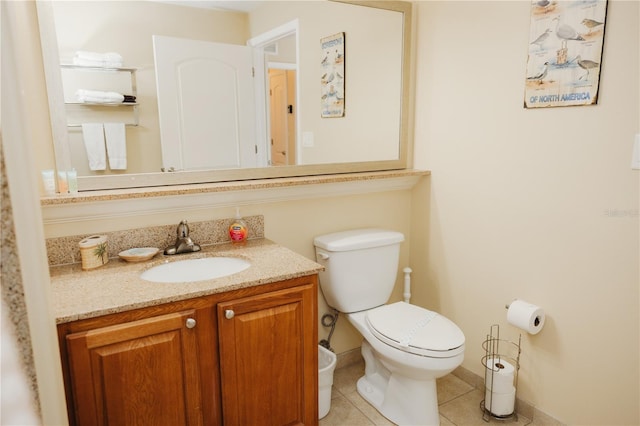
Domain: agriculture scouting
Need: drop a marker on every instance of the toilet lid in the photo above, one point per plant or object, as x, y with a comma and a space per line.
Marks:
416, 330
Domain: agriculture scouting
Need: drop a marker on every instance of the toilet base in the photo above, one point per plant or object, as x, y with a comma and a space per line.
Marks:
400, 399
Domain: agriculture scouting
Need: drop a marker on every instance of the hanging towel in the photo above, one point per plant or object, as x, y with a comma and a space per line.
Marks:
116, 145
93, 136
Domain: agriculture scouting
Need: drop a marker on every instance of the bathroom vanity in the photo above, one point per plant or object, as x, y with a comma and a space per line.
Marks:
236, 350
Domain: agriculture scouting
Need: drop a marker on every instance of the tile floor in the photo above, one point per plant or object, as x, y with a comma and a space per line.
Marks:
459, 403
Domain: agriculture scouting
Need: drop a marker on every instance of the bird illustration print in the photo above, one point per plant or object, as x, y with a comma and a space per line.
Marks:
541, 74
565, 48
566, 32
332, 83
541, 38
586, 65
591, 24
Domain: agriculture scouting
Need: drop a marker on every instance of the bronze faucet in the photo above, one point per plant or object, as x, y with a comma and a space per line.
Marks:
183, 243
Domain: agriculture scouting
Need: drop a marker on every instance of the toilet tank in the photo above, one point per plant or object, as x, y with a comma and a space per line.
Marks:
360, 267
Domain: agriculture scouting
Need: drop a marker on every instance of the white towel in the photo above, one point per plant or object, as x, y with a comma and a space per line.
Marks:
95, 56
93, 135
116, 145
99, 97
94, 59
96, 64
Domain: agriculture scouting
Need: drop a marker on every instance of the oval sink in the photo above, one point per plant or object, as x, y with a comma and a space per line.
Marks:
191, 270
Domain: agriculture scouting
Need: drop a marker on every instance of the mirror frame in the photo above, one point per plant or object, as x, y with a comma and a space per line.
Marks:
138, 180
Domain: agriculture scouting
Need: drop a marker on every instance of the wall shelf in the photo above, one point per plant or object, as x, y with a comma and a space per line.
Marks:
95, 105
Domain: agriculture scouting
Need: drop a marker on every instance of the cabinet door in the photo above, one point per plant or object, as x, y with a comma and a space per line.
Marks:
269, 358
143, 372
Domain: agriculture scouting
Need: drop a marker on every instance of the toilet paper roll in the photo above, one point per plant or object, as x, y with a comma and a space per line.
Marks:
526, 316
499, 374
500, 404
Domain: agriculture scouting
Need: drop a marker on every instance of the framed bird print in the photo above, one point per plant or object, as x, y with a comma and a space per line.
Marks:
566, 39
332, 76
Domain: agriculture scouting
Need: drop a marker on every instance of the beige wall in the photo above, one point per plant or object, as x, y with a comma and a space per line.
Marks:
534, 204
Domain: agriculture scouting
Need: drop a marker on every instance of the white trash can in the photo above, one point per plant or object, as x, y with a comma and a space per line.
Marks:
326, 365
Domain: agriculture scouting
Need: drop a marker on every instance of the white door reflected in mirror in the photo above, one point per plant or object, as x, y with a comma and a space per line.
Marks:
206, 104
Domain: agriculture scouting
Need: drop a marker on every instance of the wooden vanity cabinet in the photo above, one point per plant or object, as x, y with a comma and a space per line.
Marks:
139, 372
142, 367
269, 358
188, 363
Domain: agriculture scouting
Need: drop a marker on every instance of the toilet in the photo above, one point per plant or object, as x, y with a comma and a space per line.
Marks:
406, 347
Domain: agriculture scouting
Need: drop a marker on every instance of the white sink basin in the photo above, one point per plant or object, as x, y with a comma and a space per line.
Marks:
191, 270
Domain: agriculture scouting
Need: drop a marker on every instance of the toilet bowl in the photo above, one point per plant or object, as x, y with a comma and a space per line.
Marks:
406, 347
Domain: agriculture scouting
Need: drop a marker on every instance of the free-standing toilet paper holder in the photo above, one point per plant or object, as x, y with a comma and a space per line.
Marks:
502, 363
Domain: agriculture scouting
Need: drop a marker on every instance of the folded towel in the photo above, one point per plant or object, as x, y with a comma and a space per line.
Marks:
95, 56
94, 59
99, 97
116, 145
93, 136
96, 64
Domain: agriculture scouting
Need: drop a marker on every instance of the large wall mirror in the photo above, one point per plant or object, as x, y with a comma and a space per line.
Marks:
194, 119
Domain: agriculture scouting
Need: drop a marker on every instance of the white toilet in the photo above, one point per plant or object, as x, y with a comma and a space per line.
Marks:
406, 348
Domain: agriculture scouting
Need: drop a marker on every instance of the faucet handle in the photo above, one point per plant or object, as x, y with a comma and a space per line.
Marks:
183, 229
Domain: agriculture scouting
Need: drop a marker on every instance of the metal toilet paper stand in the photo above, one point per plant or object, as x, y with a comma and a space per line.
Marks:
504, 351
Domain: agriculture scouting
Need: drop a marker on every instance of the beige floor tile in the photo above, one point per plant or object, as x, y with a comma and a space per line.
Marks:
368, 409
343, 413
345, 379
544, 421
445, 422
451, 387
465, 410
459, 403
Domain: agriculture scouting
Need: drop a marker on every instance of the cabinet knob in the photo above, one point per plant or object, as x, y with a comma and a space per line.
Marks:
228, 314
190, 323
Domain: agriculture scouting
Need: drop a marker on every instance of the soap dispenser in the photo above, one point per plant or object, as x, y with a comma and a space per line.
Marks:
238, 230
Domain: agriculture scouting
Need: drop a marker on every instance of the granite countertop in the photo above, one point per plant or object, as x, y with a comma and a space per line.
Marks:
117, 286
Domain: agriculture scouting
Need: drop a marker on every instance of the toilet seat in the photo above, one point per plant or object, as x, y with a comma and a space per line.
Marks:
416, 330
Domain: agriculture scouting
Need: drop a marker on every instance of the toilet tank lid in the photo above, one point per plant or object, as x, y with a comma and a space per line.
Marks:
357, 239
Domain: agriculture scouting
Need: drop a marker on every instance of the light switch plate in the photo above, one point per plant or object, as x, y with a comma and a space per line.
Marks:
635, 158
307, 139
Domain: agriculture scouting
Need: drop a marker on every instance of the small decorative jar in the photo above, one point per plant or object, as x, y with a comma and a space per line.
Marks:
94, 251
